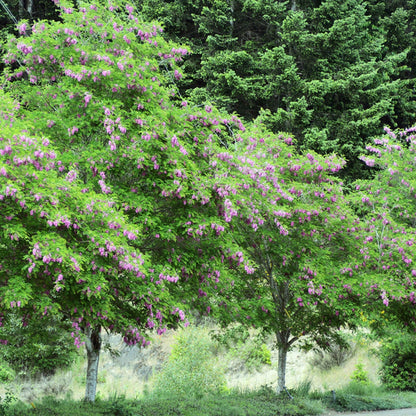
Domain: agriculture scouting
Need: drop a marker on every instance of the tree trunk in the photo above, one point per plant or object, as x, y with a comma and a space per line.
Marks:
293, 7
93, 346
29, 7
231, 18
25, 9
21, 9
281, 369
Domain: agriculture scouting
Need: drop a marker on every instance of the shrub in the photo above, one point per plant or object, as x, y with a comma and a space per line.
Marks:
191, 369
7, 373
5, 402
39, 347
119, 406
252, 355
263, 402
261, 355
398, 362
359, 375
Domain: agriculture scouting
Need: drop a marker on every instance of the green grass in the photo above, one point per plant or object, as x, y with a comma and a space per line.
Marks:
358, 397
235, 403
263, 402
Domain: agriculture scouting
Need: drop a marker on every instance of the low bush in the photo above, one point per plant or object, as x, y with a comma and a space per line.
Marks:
262, 402
120, 406
360, 375
359, 397
191, 370
398, 362
7, 373
37, 347
6, 402
50, 406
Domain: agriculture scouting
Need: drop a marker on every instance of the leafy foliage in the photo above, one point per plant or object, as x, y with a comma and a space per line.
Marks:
38, 346
191, 370
356, 397
7, 373
108, 157
398, 357
106, 213
359, 375
244, 347
386, 206
290, 218
332, 72
6, 402
122, 204
260, 403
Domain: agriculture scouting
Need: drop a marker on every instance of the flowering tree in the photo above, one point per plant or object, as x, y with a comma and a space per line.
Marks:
54, 245
290, 218
387, 205
105, 210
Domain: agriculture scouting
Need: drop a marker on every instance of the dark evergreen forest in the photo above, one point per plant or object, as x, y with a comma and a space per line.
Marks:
333, 73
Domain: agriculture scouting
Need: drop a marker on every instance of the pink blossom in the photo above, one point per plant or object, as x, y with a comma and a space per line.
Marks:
87, 99
22, 29
24, 48
174, 141
71, 176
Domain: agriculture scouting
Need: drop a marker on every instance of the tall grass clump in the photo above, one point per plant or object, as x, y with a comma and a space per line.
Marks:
192, 369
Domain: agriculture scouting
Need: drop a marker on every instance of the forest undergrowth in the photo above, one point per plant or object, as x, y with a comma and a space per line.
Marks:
239, 373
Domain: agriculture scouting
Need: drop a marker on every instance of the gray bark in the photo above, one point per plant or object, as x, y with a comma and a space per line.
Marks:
25, 9
281, 369
93, 347
21, 9
29, 7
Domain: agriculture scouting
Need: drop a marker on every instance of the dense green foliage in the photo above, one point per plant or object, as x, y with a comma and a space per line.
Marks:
331, 72
359, 397
191, 370
36, 346
101, 175
12, 11
398, 356
263, 402
98, 176
290, 218
386, 206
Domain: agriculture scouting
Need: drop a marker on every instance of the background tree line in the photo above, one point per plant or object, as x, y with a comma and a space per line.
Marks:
331, 72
